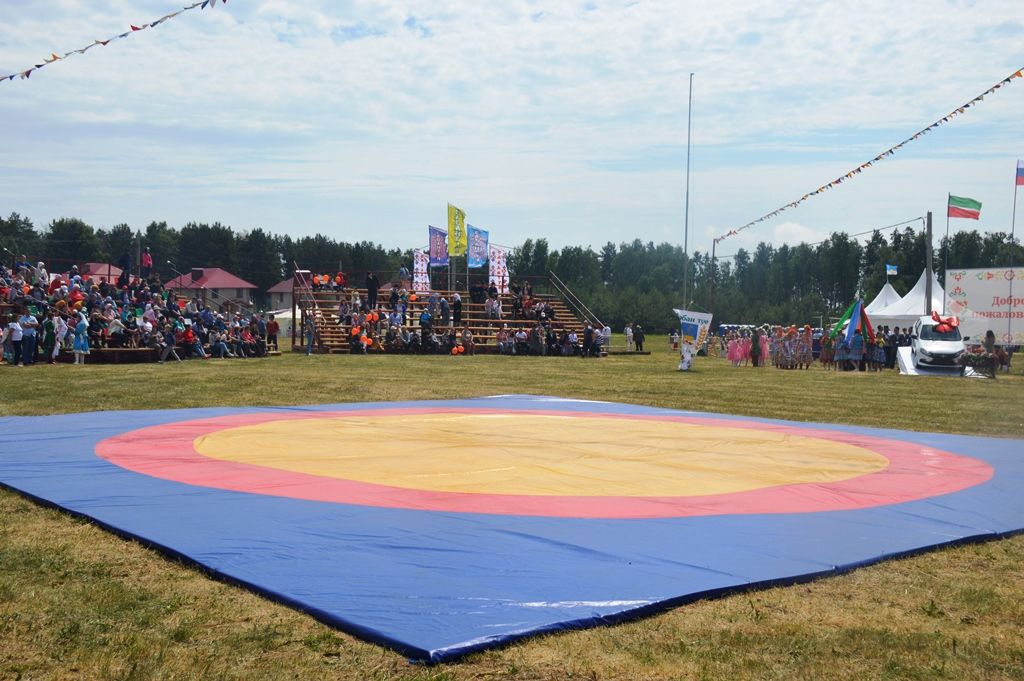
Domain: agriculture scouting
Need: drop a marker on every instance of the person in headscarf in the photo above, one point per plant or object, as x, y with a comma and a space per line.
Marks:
81, 345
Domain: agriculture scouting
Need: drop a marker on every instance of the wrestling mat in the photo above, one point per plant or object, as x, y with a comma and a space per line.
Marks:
441, 528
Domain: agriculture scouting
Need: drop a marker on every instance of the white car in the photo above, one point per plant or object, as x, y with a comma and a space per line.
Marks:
930, 348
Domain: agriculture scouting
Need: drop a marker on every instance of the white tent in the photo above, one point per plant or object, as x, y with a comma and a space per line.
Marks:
906, 310
887, 296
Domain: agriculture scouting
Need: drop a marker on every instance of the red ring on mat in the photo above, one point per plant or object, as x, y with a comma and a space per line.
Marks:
915, 471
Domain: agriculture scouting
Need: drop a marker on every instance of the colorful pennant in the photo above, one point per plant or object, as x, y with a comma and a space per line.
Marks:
863, 166
27, 73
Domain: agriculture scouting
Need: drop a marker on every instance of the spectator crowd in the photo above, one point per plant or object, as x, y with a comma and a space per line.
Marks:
429, 323
44, 314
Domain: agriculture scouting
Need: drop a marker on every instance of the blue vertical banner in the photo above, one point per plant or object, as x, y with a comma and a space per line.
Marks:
477, 252
693, 328
438, 247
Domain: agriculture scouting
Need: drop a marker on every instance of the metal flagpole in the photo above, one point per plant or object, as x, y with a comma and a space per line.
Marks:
945, 260
1013, 230
928, 261
686, 219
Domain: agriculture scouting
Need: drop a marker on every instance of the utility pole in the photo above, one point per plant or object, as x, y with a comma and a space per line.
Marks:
686, 219
711, 307
928, 264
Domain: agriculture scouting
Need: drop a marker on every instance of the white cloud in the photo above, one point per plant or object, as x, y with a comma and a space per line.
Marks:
364, 118
792, 232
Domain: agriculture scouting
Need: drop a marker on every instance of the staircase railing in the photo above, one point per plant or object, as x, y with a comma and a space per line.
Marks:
572, 300
306, 291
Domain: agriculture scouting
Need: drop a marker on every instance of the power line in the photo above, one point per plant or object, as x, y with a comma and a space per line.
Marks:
869, 231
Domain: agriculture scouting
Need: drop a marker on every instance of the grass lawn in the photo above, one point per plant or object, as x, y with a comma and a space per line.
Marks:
76, 602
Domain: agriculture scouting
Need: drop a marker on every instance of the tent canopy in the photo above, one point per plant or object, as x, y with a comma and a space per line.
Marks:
906, 310
887, 296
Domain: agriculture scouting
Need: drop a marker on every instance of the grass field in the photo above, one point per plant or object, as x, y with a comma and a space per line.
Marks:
76, 602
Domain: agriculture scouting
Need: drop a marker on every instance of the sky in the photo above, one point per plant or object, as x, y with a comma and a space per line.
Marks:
563, 120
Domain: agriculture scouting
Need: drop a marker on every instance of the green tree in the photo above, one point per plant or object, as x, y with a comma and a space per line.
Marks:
18, 235
70, 240
162, 242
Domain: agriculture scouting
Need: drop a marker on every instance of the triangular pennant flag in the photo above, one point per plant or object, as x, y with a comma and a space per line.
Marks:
101, 42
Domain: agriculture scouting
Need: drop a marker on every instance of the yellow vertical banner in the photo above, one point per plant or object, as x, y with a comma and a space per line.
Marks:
457, 239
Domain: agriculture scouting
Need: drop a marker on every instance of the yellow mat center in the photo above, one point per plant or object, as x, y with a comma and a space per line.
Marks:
541, 455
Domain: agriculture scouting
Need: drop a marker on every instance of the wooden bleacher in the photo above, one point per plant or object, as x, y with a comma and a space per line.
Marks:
334, 337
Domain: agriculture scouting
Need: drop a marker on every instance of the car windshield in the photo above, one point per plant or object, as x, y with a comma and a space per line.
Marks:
929, 333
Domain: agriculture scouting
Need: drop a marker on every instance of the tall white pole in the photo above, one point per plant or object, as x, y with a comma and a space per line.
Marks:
945, 261
928, 262
1013, 231
686, 219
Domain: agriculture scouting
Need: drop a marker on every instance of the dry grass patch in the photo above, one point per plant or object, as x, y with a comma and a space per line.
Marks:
77, 602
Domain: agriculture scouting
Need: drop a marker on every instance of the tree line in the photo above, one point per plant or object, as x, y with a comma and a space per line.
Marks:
630, 281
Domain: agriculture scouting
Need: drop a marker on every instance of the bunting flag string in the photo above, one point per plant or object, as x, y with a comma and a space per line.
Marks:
54, 57
864, 166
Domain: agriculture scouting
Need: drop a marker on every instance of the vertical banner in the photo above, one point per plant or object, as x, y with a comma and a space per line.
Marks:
693, 332
438, 247
498, 273
420, 271
456, 231
477, 253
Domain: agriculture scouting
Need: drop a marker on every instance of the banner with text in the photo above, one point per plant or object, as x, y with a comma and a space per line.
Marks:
988, 298
693, 331
420, 271
498, 272
456, 231
438, 247
477, 253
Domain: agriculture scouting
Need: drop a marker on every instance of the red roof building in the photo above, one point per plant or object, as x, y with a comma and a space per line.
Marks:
280, 294
214, 286
98, 270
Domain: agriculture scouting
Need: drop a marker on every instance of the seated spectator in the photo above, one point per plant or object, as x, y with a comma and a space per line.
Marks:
116, 333
595, 345
537, 340
503, 341
218, 346
551, 342
522, 344
467, 341
189, 342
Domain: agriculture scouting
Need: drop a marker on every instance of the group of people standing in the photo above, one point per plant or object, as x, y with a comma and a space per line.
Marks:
635, 337
796, 347
864, 352
782, 347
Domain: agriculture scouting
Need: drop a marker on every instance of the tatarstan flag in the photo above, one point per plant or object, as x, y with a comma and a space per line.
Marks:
960, 207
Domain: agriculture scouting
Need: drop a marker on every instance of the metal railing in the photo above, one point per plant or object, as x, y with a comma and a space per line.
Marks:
573, 301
